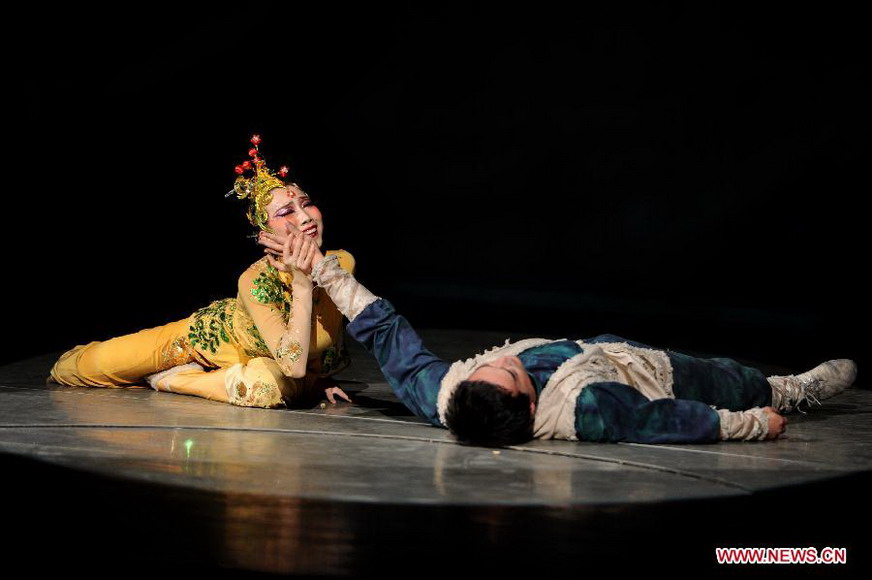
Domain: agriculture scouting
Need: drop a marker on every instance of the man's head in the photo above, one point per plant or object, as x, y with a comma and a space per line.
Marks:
495, 405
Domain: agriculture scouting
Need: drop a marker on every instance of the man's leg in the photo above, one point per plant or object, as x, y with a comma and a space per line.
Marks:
727, 384
720, 382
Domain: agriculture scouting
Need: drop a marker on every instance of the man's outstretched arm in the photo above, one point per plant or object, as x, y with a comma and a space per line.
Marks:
413, 372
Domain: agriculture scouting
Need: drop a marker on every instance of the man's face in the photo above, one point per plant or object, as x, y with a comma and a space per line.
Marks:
509, 374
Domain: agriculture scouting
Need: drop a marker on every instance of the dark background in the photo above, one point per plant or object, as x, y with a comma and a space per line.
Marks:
687, 176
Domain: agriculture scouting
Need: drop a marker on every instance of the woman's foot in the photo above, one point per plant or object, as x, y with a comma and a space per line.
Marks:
811, 387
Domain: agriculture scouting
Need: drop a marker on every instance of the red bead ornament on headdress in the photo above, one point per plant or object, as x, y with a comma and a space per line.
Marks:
255, 181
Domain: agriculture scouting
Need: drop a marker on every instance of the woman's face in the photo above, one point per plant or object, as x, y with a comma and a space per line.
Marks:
291, 205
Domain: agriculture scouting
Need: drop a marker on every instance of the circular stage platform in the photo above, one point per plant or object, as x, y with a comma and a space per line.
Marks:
102, 478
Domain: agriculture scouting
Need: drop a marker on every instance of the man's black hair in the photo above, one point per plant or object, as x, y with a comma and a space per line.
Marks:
483, 413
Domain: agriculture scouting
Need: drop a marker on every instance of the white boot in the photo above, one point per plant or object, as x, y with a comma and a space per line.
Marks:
822, 382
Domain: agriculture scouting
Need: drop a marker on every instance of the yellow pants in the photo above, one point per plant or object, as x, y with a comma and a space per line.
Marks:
125, 361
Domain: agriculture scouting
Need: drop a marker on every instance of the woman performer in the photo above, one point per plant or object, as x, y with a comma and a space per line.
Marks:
271, 345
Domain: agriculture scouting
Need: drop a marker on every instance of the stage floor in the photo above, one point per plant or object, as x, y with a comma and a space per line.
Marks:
102, 475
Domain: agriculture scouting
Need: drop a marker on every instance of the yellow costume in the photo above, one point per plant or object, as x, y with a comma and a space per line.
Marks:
240, 350
236, 340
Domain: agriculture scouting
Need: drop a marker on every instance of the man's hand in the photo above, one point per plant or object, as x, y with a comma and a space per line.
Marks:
777, 423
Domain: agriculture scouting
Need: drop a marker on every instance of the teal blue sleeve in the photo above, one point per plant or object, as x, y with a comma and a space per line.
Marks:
617, 412
413, 372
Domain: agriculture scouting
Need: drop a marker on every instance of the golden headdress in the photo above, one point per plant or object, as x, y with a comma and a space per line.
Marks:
255, 181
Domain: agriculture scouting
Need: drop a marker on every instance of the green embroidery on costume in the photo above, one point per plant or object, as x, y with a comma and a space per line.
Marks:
268, 289
247, 333
212, 325
260, 348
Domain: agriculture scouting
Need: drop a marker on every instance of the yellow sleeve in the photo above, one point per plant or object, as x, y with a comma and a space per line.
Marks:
270, 304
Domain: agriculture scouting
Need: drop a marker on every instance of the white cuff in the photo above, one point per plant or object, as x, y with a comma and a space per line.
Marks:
750, 425
349, 295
